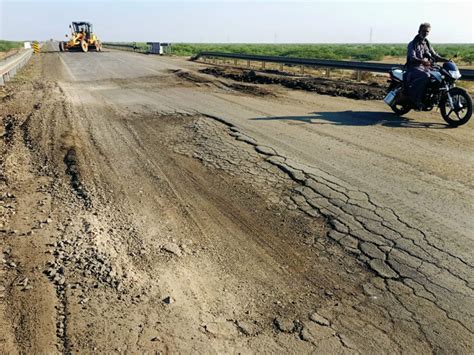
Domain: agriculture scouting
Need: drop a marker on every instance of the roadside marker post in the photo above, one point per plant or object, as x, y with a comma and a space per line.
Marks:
36, 47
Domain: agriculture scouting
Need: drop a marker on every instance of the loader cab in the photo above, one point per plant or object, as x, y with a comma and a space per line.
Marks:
82, 27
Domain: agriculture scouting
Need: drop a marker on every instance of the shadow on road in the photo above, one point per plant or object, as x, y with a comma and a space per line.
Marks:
357, 118
75, 51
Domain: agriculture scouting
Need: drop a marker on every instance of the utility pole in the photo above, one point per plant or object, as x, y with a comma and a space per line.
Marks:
371, 33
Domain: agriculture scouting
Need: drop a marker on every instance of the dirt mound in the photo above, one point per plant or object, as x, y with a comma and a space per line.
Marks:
200, 79
359, 91
249, 89
186, 75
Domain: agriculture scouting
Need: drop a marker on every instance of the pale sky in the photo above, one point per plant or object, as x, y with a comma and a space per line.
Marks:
258, 21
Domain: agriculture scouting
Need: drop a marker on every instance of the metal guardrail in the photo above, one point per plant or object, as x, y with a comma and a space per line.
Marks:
153, 47
467, 74
132, 47
10, 66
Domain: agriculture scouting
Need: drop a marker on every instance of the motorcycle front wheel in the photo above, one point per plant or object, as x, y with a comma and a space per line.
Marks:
461, 111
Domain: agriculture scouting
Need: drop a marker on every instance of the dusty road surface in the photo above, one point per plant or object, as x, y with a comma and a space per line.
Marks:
148, 207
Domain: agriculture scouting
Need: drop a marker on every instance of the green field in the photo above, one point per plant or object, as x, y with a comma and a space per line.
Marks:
6, 45
359, 52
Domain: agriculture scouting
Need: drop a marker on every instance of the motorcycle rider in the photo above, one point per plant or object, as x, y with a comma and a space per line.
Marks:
420, 57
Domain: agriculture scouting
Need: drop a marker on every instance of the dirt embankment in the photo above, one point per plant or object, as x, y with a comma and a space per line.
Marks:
345, 88
9, 53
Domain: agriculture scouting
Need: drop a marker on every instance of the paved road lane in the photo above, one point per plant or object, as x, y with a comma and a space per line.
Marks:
398, 193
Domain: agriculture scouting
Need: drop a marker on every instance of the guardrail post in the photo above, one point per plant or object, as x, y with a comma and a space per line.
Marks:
302, 69
359, 75
281, 67
248, 63
263, 65
328, 71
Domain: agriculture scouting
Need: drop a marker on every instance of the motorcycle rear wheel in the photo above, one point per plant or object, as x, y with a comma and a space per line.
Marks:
462, 111
400, 109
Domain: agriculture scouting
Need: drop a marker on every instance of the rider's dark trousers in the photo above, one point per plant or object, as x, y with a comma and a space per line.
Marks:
417, 80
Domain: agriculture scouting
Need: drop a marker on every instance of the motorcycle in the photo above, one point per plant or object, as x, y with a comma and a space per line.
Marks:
454, 103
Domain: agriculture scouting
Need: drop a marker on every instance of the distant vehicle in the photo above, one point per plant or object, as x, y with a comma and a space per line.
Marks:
82, 38
454, 103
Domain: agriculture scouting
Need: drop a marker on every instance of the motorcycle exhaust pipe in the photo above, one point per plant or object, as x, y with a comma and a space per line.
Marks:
390, 98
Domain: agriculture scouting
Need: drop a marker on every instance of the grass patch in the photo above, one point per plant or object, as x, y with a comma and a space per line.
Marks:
7, 45
357, 52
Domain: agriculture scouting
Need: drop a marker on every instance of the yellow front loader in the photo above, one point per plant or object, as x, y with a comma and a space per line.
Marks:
82, 38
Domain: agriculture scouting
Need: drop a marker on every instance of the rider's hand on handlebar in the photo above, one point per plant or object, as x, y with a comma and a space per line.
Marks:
426, 62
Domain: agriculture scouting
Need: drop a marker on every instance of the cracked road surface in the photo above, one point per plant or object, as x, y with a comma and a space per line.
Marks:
184, 212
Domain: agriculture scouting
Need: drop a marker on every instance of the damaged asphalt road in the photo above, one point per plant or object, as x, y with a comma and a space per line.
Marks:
149, 206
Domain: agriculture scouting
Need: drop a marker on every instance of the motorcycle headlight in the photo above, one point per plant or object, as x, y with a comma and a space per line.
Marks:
455, 74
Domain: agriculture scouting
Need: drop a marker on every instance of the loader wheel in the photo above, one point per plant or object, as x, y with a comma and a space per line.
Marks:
84, 46
61, 46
